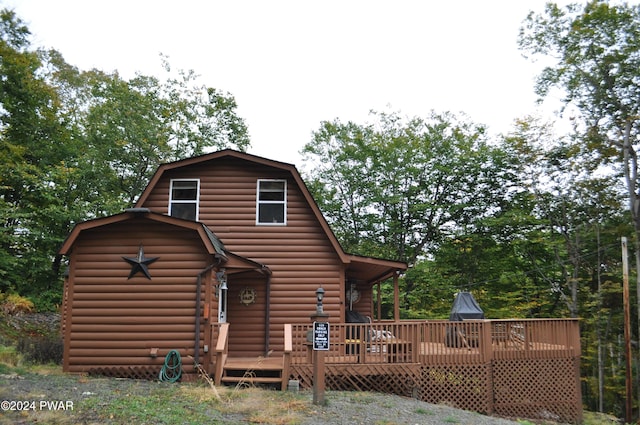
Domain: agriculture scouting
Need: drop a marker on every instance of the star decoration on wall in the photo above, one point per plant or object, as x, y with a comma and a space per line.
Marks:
140, 263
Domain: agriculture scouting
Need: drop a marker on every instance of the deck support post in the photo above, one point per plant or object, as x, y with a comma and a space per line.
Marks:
396, 298
317, 356
318, 378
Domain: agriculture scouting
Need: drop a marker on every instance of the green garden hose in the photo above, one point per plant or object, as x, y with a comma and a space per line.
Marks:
172, 368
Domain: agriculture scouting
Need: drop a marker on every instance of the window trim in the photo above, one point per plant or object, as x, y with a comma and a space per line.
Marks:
259, 203
197, 200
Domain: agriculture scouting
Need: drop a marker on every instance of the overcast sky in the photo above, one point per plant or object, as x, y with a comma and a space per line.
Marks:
292, 64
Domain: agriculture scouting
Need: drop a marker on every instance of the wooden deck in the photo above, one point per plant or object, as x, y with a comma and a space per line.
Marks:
514, 368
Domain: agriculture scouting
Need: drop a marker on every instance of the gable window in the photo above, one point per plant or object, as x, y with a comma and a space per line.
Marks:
272, 202
183, 199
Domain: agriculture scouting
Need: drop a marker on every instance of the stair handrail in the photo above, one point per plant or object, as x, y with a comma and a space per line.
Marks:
222, 350
286, 356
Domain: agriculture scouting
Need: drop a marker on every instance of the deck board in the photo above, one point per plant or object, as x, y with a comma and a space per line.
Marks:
254, 363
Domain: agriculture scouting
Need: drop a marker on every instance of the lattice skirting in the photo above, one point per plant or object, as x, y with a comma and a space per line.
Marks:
538, 389
131, 372
401, 379
534, 389
465, 387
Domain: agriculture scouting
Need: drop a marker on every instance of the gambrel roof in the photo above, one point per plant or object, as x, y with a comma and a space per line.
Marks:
366, 269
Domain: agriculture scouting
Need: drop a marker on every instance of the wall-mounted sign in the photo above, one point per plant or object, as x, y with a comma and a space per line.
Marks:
247, 296
321, 336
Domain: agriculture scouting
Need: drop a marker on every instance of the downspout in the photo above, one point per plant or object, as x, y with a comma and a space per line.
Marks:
267, 311
196, 352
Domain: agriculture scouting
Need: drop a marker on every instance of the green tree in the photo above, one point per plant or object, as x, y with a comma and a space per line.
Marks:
595, 62
595, 49
30, 144
399, 187
130, 127
571, 247
78, 144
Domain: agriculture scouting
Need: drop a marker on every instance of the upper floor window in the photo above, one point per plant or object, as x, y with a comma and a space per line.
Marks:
272, 202
183, 199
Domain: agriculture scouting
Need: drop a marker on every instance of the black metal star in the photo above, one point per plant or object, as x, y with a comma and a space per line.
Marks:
140, 263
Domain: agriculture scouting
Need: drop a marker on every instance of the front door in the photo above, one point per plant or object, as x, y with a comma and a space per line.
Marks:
246, 309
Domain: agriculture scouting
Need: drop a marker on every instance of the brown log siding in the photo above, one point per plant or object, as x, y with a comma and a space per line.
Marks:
300, 255
114, 321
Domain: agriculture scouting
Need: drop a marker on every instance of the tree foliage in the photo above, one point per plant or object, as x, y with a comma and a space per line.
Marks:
78, 144
395, 186
594, 51
405, 188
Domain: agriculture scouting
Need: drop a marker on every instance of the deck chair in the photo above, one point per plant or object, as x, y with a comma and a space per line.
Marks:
380, 335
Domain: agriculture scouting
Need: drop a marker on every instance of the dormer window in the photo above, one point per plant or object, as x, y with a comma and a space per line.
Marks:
272, 202
183, 199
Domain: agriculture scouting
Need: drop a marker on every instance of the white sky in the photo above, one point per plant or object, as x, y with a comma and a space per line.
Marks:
292, 64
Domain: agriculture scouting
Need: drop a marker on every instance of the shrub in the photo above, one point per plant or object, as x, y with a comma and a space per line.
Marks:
8, 356
14, 304
48, 299
41, 350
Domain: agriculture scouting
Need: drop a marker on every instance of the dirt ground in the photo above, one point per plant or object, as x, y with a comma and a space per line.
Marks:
90, 399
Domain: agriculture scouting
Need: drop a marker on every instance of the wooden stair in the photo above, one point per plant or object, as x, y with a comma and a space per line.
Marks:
254, 371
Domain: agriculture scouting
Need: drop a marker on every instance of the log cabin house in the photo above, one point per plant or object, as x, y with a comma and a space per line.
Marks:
220, 260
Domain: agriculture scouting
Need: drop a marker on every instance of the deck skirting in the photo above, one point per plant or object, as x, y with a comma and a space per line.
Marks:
497, 388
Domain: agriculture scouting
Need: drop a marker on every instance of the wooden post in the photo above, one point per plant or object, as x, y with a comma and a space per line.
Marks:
317, 358
320, 321
627, 330
379, 301
318, 378
488, 353
396, 298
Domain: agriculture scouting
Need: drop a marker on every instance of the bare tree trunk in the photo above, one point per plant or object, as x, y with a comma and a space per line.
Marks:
599, 330
637, 247
630, 165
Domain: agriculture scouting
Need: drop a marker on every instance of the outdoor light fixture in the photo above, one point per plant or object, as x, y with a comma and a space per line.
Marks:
222, 282
319, 297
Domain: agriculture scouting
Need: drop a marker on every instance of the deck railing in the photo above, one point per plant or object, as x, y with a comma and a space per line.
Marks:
514, 368
442, 342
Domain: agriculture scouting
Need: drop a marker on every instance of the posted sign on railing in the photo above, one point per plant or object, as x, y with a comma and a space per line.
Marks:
321, 336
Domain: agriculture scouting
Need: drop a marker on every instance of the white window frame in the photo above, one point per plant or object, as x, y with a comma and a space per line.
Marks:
185, 201
283, 202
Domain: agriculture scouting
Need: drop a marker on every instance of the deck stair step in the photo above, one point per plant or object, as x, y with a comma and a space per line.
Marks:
253, 370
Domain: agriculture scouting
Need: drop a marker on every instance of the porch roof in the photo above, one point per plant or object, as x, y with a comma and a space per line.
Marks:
372, 270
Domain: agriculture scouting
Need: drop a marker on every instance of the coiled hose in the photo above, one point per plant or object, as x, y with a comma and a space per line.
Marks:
172, 368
